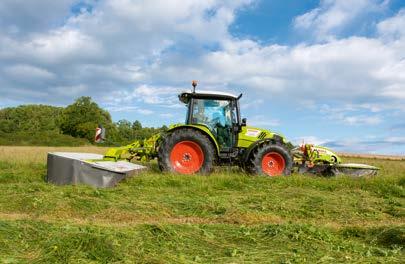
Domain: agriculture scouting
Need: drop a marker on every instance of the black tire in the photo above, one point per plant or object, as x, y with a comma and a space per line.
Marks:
254, 165
186, 134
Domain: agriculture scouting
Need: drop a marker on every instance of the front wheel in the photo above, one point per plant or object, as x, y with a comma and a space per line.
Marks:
186, 151
271, 159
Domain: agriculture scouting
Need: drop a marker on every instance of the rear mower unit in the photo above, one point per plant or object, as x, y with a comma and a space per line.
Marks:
215, 134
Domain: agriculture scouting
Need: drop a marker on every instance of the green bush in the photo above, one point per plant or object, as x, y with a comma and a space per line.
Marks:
71, 126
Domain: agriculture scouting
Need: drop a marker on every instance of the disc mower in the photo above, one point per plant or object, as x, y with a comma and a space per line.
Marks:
214, 133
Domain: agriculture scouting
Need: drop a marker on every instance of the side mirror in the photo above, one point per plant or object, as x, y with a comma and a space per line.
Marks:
100, 134
243, 122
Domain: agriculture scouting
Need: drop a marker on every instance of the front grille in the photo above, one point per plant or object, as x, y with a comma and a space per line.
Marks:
262, 135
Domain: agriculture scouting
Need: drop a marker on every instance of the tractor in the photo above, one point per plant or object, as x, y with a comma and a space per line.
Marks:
215, 134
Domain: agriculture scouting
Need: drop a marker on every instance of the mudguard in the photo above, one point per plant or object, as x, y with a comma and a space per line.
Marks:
204, 129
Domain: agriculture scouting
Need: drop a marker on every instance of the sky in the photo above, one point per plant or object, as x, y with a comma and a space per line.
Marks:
329, 72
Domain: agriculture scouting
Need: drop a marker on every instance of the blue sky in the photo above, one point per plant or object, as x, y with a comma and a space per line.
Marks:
328, 72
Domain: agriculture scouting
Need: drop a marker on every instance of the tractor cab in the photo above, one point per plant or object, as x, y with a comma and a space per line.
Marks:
218, 111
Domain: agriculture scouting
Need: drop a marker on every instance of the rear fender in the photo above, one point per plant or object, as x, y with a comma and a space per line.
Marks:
203, 129
253, 146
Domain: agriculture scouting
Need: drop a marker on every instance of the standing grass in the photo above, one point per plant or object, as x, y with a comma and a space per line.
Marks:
33, 154
227, 217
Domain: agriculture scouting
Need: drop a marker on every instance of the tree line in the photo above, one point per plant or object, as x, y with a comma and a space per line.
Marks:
66, 126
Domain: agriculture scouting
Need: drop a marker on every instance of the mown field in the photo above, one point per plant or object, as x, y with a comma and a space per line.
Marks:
227, 217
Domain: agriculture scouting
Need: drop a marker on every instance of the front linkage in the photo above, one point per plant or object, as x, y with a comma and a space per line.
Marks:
141, 150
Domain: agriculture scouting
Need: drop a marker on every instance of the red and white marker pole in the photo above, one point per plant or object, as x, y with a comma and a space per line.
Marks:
99, 134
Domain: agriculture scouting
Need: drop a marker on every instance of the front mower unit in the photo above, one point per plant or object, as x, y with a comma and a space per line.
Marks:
323, 161
88, 168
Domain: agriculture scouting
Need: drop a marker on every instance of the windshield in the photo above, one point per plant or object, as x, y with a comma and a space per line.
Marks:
213, 113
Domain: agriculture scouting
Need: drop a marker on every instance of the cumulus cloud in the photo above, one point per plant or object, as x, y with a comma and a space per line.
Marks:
263, 121
334, 16
154, 95
381, 145
309, 140
27, 72
109, 45
350, 115
354, 70
394, 27
21, 17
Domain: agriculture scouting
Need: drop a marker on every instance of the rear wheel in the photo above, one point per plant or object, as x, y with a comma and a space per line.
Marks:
186, 151
271, 159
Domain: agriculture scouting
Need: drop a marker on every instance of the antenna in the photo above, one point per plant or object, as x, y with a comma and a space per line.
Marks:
194, 84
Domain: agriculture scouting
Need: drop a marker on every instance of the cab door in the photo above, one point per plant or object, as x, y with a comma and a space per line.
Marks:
219, 116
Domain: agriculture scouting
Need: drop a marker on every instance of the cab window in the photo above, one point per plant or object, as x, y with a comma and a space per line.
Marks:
218, 116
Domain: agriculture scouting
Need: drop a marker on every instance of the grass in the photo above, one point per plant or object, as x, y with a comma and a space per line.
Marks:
227, 217
40, 138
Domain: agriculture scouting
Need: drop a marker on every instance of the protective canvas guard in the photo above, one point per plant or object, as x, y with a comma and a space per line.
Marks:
356, 170
77, 168
349, 169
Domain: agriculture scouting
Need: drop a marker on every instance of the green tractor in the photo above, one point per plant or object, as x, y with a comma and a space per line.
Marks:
214, 133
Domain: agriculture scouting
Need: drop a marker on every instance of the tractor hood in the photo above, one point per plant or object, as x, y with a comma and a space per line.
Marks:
246, 137
249, 135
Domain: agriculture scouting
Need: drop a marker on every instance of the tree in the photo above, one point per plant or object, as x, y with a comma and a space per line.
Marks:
136, 125
81, 118
42, 123
29, 118
125, 132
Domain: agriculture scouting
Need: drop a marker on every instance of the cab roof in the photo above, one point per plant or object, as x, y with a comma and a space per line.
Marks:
186, 95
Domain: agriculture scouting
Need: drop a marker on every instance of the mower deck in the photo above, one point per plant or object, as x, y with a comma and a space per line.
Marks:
88, 168
349, 169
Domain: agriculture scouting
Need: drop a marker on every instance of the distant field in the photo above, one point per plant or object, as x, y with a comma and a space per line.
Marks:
30, 154
372, 156
227, 217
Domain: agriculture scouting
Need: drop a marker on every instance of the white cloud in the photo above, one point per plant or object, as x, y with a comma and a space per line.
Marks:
129, 108
309, 140
114, 45
20, 17
167, 115
346, 70
361, 120
394, 27
333, 16
350, 115
73, 90
149, 27
145, 111
28, 72
394, 91
118, 108
154, 95
381, 145
263, 121
57, 47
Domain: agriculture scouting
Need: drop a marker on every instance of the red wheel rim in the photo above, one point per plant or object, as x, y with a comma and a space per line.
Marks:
186, 157
273, 164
